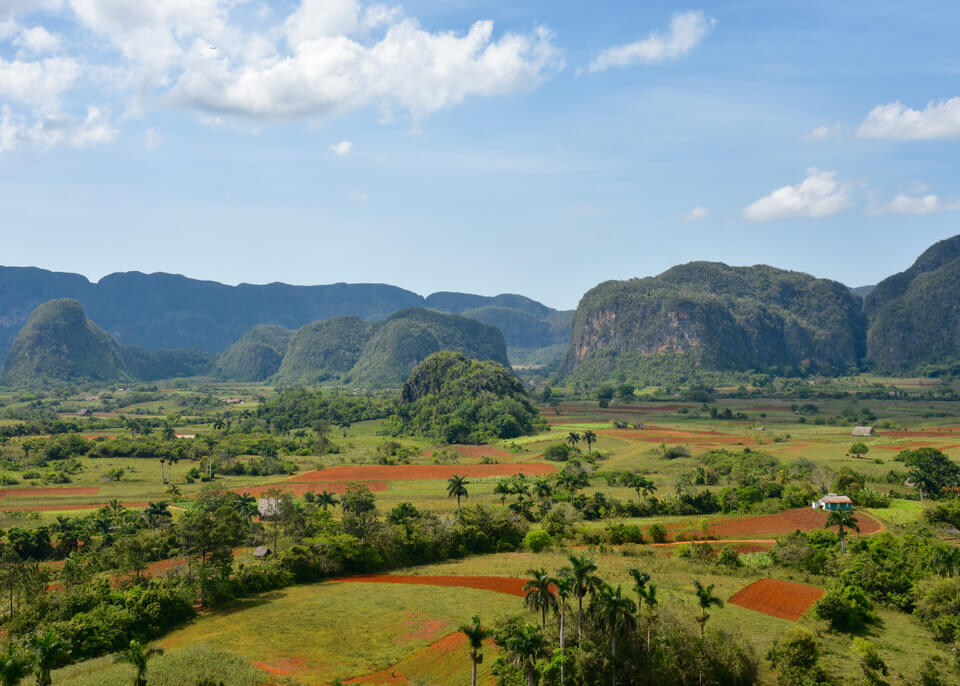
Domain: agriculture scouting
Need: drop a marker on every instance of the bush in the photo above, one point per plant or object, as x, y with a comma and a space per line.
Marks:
537, 541
658, 533
846, 608
795, 658
729, 558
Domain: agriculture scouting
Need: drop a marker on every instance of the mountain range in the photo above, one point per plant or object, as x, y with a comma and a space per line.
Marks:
700, 315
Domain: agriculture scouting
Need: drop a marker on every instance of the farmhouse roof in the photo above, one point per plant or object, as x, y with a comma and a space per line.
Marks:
834, 498
262, 551
863, 431
268, 507
85, 412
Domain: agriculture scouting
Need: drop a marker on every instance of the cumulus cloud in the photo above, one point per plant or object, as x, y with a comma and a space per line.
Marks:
896, 121
38, 83
52, 130
342, 148
686, 30
696, 214
921, 204
825, 133
37, 40
818, 195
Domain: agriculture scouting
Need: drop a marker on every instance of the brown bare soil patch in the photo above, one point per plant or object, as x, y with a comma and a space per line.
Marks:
436, 653
286, 667
427, 630
298, 489
69, 490
788, 521
783, 599
497, 584
754, 548
421, 472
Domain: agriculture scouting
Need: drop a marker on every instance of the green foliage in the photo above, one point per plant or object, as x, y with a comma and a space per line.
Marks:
537, 541
846, 608
931, 470
795, 658
300, 408
256, 356
59, 344
714, 317
457, 400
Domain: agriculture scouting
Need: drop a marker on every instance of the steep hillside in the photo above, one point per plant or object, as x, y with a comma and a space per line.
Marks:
325, 350
150, 365
712, 316
168, 311
256, 356
382, 354
914, 315
459, 400
409, 336
525, 323
59, 344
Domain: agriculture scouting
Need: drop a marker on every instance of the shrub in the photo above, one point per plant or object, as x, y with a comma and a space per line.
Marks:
846, 608
658, 533
538, 540
795, 658
729, 558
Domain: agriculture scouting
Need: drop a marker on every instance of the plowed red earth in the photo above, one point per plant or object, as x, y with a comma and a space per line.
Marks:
498, 584
421, 472
783, 599
298, 489
70, 490
788, 521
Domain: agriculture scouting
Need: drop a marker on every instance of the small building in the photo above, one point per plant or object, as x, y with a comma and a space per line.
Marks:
832, 502
262, 553
268, 508
85, 412
862, 431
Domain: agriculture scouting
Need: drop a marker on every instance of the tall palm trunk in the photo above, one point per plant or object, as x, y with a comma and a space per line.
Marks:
474, 673
843, 541
563, 643
613, 656
579, 618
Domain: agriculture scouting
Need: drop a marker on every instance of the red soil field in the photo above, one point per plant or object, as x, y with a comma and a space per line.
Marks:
298, 489
783, 599
70, 490
788, 521
498, 584
421, 472
432, 654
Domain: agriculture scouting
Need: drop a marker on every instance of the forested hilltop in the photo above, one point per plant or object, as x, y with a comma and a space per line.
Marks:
711, 316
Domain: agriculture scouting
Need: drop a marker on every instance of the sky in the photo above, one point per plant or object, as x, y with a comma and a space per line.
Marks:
480, 146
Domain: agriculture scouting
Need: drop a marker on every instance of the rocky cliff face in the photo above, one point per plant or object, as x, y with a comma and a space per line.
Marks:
718, 317
915, 315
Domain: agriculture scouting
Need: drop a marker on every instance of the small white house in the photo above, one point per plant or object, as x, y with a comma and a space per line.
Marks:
832, 502
862, 431
268, 508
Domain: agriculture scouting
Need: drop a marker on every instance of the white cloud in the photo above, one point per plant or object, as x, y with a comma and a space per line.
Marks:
52, 130
687, 29
819, 195
151, 139
37, 40
898, 122
418, 70
921, 204
38, 83
825, 133
696, 214
342, 148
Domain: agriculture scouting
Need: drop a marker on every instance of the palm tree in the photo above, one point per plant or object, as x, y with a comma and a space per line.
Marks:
640, 580
457, 488
647, 489
843, 520
573, 438
135, 655
589, 438
48, 651
705, 598
585, 581
503, 489
542, 488
300, 434
616, 615
163, 473
14, 665
156, 513
527, 643
564, 584
326, 499
648, 595
539, 595
173, 491
476, 635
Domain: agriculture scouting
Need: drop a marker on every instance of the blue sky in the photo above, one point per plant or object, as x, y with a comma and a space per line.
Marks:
537, 148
